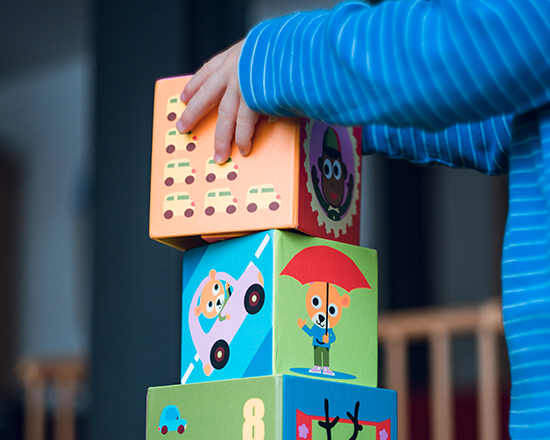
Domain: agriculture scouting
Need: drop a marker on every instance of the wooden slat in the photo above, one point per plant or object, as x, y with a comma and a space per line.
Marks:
33, 381
35, 411
64, 423
487, 354
441, 393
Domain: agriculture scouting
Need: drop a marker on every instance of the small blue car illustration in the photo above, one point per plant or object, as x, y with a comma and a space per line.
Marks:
170, 420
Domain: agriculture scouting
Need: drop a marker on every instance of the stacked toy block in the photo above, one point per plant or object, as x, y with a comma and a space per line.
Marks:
279, 305
280, 185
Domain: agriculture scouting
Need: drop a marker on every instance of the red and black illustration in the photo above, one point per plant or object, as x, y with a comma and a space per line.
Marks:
335, 187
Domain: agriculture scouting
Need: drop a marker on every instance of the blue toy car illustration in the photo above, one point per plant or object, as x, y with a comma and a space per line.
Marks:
170, 420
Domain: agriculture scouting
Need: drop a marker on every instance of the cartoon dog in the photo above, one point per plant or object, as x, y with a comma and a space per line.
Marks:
213, 298
324, 315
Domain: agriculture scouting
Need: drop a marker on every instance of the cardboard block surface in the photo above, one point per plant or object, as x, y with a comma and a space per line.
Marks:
301, 175
259, 305
271, 408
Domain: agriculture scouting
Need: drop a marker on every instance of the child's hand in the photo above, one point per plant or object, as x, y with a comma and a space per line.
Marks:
218, 82
301, 323
325, 338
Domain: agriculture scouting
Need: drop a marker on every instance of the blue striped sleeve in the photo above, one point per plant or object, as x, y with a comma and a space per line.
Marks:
427, 64
481, 146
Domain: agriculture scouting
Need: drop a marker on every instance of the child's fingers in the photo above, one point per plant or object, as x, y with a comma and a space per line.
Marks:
225, 126
246, 122
192, 87
209, 94
199, 78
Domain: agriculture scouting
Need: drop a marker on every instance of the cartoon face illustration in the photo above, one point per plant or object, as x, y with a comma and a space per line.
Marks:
331, 180
333, 176
246, 297
213, 297
323, 313
178, 203
333, 169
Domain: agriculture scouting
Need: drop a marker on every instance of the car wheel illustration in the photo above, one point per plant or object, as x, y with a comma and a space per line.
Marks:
210, 177
164, 429
210, 210
169, 181
254, 299
232, 175
189, 212
170, 148
181, 428
171, 116
231, 209
190, 146
168, 214
274, 206
252, 207
189, 180
219, 355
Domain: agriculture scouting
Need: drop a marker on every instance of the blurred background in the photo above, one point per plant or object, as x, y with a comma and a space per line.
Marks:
79, 277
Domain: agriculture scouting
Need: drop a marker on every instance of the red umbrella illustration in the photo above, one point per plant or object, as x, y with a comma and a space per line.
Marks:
328, 265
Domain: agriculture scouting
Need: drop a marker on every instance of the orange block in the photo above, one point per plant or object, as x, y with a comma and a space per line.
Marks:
301, 174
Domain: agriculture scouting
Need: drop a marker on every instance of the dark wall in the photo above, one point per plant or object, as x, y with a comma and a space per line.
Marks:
11, 178
408, 233
10, 218
137, 287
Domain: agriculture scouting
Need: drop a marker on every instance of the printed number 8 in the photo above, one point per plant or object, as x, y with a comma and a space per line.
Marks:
253, 412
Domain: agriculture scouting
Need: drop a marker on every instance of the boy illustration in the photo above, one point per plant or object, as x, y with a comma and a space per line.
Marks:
331, 188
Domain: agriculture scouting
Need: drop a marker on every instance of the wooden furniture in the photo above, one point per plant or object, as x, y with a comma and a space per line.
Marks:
438, 326
64, 376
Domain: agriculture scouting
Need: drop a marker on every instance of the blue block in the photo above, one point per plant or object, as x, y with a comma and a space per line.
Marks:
258, 305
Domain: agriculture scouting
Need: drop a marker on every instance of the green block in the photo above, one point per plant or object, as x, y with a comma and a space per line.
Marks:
257, 306
271, 408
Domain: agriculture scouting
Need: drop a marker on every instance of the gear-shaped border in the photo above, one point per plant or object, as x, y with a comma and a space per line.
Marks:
341, 225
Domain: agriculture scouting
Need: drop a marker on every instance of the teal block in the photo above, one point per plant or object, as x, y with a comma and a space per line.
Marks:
276, 407
257, 305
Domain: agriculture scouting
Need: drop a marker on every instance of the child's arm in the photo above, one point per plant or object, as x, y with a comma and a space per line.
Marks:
482, 146
425, 64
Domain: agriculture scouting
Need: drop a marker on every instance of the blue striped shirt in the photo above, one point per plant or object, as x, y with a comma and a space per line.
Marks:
472, 79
